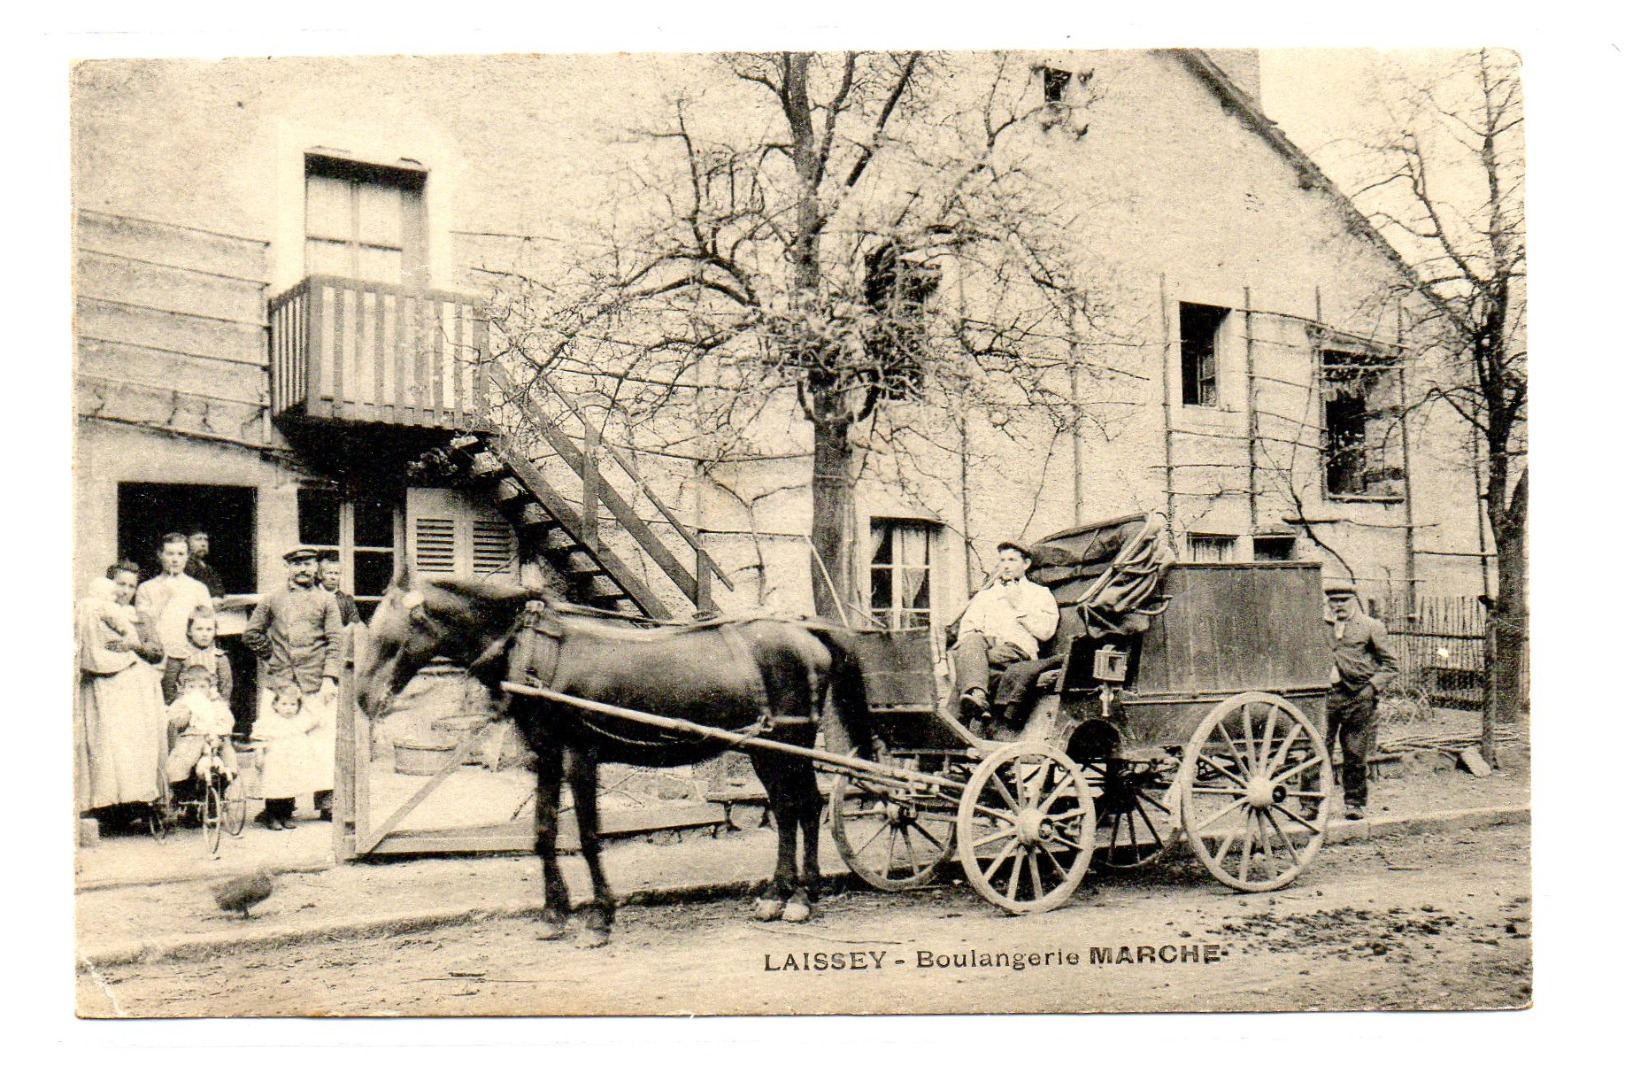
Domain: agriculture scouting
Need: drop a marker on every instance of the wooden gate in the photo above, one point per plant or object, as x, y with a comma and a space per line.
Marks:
482, 806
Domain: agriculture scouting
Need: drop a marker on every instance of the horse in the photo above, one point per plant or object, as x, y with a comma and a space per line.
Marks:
761, 675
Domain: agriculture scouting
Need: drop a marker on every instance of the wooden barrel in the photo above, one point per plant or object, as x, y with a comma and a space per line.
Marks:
422, 756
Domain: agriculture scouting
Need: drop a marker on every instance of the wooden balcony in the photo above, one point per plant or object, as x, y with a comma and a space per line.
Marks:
362, 352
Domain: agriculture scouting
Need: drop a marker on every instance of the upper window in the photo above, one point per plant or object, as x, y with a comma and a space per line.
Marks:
1273, 548
1055, 84
900, 573
363, 221
1363, 455
1199, 352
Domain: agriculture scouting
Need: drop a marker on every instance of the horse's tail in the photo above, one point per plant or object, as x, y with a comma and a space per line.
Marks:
846, 687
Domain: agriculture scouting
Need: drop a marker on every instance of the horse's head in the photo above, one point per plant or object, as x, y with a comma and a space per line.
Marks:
402, 638
419, 620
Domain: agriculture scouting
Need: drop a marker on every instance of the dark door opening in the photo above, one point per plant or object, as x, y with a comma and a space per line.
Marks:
148, 511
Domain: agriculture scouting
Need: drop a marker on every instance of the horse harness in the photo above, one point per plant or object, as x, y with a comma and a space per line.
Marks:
538, 643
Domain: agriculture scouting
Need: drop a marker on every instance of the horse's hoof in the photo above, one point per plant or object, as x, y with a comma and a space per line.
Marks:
768, 910
550, 930
593, 939
797, 912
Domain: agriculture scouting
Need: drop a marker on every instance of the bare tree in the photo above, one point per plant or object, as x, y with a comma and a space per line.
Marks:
1449, 193
854, 230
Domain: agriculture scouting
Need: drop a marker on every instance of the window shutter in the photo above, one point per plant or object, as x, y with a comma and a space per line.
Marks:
493, 551
454, 534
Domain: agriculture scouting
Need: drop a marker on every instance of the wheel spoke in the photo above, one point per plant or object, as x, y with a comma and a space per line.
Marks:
891, 849
1228, 792
933, 840
1246, 849
1297, 817
994, 837
1015, 876
1265, 850
1150, 826
996, 814
998, 859
1292, 852
908, 845
1226, 811
1241, 761
1286, 747
1206, 759
1015, 806
1269, 734
1062, 781
1065, 842
884, 824
1038, 878
1060, 870
1313, 761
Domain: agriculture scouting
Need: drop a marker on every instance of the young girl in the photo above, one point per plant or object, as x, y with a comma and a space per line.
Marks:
288, 761
199, 713
201, 651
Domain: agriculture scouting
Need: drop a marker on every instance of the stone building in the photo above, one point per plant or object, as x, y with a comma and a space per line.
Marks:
286, 271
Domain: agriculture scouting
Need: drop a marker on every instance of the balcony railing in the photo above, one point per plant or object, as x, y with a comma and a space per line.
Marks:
368, 352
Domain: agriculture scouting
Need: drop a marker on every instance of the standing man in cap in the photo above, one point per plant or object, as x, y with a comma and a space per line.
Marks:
1362, 665
297, 631
1003, 624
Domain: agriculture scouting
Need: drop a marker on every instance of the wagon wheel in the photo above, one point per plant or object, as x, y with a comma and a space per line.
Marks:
887, 837
1026, 828
213, 813
1135, 812
234, 805
1252, 791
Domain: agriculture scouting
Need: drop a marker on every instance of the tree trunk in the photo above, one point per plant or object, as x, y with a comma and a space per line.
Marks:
1507, 624
832, 511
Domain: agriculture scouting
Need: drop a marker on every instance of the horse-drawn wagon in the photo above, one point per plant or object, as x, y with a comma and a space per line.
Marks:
1174, 698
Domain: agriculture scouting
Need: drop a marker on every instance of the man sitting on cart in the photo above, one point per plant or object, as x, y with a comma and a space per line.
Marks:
1003, 624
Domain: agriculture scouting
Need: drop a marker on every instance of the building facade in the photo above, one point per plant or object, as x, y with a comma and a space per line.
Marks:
286, 274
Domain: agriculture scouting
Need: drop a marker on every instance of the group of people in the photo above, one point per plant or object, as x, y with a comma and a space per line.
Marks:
153, 699
1000, 632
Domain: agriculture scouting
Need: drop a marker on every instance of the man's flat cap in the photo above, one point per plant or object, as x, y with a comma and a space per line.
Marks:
1338, 588
297, 555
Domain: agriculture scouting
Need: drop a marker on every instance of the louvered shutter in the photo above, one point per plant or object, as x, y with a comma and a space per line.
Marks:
450, 533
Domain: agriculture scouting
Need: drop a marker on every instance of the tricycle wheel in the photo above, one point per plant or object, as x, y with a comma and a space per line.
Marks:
885, 836
214, 814
1135, 812
1253, 785
1026, 828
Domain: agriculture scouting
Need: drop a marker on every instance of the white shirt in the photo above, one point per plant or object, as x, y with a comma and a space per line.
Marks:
168, 601
1020, 612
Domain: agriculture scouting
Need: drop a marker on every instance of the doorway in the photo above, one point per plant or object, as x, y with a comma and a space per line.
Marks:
148, 511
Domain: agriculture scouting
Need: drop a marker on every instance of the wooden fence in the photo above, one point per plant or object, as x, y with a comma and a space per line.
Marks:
1440, 643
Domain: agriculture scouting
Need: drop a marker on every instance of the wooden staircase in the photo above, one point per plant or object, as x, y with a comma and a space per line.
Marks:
565, 534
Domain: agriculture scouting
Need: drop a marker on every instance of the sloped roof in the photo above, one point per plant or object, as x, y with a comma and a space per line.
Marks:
1310, 176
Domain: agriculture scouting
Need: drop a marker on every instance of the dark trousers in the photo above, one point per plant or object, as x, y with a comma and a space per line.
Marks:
1351, 721
280, 809
975, 659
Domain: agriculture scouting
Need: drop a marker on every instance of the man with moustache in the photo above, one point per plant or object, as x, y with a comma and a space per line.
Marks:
166, 603
298, 633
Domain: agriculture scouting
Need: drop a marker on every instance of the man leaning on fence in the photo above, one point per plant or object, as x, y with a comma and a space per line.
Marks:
1362, 665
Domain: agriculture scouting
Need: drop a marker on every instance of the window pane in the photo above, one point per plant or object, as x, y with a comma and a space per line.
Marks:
374, 523
318, 517
373, 571
916, 588
327, 208
327, 259
880, 543
880, 589
379, 264
912, 544
380, 214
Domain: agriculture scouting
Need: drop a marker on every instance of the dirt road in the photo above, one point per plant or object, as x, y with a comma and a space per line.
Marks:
1428, 922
